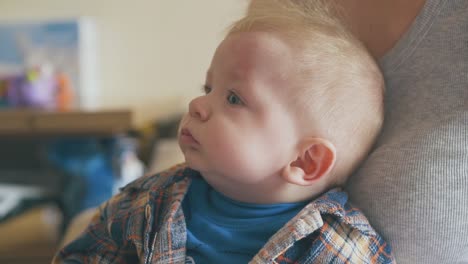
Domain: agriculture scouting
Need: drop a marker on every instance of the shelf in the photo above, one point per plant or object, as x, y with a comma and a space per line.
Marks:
34, 123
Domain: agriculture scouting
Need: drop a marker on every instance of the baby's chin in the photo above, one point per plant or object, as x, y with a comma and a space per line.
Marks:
193, 163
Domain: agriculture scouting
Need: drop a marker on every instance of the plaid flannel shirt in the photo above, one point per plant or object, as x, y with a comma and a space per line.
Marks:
144, 223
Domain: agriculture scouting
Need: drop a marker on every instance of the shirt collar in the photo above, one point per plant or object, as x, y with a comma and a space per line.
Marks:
310, 219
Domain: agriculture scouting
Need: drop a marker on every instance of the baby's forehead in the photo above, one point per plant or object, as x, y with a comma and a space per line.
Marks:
275, 53
255, 42
254, 50
263, 59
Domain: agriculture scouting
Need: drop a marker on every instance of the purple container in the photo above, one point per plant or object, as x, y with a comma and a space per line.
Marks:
39, 92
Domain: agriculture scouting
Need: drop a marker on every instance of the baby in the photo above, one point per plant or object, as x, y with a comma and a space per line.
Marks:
292, 104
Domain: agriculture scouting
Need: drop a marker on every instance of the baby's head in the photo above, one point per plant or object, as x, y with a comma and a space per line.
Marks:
293, 103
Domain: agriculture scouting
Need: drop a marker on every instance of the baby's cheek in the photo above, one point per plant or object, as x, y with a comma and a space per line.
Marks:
226, 147
230, 151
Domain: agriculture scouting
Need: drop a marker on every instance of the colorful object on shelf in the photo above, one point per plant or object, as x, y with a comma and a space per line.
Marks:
3, 93
38, 88
68, 45
64, 96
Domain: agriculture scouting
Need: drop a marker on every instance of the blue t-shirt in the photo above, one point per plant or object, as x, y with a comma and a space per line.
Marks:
221, 230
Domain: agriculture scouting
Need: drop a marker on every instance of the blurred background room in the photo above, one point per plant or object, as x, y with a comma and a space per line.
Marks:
91, 92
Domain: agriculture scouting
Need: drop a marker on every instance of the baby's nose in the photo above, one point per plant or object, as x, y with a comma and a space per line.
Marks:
199, 109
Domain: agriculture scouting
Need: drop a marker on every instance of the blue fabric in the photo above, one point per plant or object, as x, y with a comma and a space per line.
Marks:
90, 159
221, 230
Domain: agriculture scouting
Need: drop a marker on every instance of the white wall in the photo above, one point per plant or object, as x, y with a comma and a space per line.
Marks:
150, 52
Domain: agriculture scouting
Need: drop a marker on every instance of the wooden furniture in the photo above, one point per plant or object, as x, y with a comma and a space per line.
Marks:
22, 133
34, 123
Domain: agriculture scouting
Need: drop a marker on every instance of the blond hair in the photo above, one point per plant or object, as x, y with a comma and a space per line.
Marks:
345, 105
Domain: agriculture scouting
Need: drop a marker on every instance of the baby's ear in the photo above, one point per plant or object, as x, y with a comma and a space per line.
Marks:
315, 160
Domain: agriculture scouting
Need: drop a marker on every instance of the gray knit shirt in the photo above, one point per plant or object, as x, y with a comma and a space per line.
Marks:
414, 185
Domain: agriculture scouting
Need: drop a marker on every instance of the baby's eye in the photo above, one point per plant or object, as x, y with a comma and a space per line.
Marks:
206, 89
234, 99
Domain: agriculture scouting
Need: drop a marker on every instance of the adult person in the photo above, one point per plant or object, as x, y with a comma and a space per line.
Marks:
413, 186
